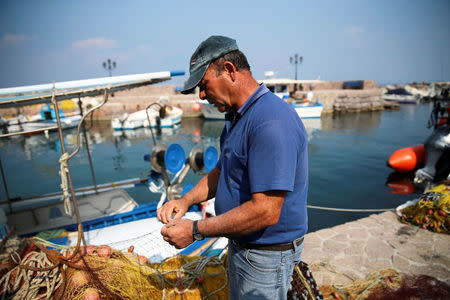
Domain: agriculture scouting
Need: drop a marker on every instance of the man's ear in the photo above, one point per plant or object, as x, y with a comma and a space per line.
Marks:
230, 69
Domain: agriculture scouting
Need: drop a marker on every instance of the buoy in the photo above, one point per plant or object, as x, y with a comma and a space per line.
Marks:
196, 106
407, 159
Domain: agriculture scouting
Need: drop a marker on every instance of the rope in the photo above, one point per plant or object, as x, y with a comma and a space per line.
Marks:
28, 284
350, 209
64, 169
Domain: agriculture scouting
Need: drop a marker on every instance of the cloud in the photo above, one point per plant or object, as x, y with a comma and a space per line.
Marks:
94, 43
11, 40
354, 31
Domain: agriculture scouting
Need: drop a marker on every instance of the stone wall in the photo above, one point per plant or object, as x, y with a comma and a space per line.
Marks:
347, 100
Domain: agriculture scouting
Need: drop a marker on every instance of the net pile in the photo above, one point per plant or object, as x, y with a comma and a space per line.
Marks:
363, 288
105, 273
432, 211
124, 276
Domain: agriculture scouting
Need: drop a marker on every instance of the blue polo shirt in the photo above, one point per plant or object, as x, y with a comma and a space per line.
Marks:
264, 147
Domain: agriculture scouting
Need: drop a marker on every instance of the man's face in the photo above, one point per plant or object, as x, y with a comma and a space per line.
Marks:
213, 88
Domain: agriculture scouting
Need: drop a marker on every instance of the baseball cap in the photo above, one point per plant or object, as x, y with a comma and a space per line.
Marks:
210, 49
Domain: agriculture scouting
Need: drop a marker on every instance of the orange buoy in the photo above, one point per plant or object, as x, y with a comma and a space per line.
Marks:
196, 106
407, 159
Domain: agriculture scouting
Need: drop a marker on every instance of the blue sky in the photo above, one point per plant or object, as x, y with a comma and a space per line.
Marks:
389, 41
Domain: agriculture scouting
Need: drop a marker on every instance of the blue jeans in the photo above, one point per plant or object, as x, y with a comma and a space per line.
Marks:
260, 274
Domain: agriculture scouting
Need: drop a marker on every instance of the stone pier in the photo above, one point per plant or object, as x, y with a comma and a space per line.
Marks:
354, 250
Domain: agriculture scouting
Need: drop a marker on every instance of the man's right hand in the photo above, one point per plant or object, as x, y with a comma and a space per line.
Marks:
179, 207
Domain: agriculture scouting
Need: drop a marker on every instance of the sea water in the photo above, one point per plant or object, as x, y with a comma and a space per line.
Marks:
347, 159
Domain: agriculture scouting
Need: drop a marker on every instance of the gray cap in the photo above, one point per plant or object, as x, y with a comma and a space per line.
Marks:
212, 48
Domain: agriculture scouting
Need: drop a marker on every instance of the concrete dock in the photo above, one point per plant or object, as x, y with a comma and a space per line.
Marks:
354, 250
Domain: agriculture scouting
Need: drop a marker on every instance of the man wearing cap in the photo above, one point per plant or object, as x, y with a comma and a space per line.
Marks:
260, 183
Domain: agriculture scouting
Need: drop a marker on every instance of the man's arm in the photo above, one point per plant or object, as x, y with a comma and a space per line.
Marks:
261, 211
204, 190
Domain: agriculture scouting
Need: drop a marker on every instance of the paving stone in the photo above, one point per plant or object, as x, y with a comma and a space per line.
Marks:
417, 254
377, 248
325, 234
401, 264
442, 245
379, 264
355, 248
357, 233
341, 237
349, 261
333, 246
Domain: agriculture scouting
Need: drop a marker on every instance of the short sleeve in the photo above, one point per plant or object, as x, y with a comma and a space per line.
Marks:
272, 156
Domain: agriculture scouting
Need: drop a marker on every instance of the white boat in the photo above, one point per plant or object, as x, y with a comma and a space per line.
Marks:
401, 95
139, 119
209, 111
45, 119
308, 109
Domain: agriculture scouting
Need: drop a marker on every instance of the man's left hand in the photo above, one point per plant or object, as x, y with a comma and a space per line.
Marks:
178, 233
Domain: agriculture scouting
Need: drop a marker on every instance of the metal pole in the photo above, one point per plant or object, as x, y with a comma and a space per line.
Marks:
63, 150
28, 131
87, 147
6, 187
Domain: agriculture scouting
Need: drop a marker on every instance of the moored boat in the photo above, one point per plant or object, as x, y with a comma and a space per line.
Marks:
150, 117
401, 95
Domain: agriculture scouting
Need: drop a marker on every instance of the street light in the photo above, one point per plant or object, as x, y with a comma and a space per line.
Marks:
296, 60
109, 65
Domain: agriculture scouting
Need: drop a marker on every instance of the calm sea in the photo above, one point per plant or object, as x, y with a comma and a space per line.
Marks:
348, 154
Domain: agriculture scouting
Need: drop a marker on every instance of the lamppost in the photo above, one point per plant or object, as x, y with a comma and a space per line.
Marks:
296, 60
109, 65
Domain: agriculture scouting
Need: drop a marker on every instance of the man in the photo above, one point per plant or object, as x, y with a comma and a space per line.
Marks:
260, 182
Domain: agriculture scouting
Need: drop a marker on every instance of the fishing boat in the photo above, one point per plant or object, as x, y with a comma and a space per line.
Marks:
149, 117
307, 107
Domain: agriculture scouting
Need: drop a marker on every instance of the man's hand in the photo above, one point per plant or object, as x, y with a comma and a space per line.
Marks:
178, 233
179, 207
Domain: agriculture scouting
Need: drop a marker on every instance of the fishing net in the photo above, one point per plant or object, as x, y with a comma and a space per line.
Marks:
388, 284
105, 273
124, 277
362, 288
432, 210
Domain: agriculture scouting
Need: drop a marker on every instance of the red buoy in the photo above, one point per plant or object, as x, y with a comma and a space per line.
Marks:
407, 159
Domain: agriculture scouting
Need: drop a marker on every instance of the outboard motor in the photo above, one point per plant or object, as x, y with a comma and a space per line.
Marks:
437, 149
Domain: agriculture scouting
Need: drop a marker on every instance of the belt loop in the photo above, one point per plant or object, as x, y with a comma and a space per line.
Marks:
294, 243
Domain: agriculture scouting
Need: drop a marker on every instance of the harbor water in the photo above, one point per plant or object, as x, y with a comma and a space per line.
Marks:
347, 159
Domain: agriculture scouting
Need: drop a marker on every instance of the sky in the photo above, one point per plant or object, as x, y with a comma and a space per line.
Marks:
392, 41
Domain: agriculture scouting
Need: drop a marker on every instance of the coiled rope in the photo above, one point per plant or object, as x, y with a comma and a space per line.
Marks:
64, 186
28, 284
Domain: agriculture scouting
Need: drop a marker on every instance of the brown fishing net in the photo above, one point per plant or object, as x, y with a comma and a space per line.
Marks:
389, 284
